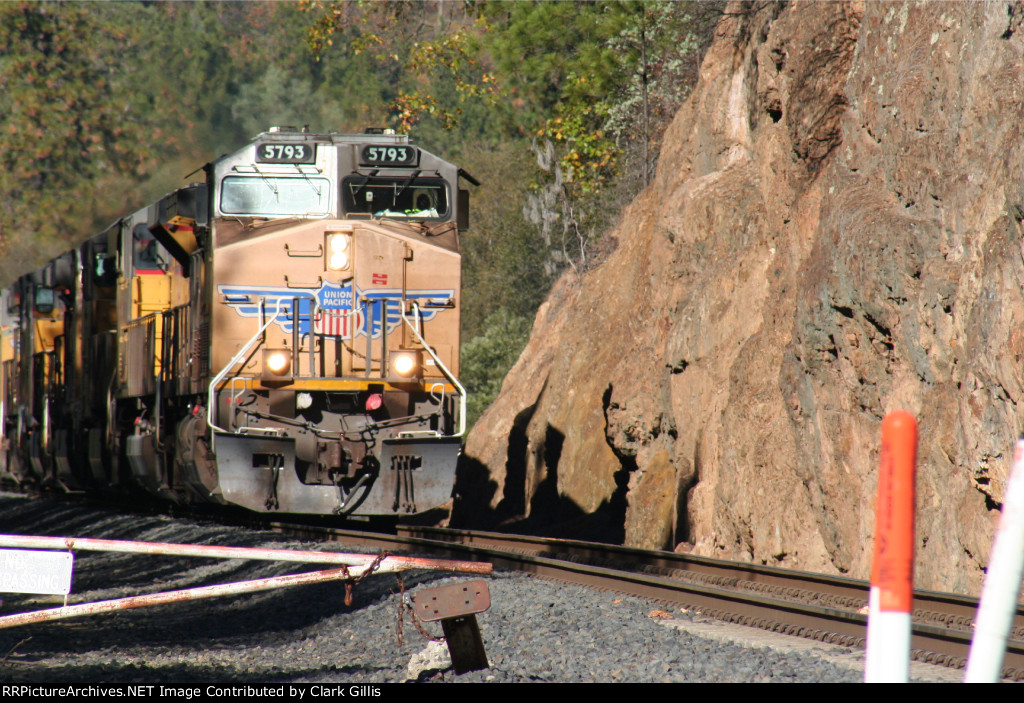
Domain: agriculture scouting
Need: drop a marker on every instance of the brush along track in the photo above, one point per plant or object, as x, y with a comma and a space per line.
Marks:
825, 608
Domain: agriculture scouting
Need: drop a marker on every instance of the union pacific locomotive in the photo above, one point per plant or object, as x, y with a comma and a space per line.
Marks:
283, 337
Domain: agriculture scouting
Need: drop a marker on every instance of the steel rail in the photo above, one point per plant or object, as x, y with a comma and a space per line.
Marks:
951, 605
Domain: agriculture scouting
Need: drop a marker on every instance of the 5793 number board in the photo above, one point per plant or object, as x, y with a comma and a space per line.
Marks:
389, 155
285, 154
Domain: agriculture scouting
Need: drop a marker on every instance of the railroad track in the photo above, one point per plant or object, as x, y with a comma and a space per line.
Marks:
825, 608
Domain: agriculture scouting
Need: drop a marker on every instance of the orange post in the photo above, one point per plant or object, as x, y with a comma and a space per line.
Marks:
892, 568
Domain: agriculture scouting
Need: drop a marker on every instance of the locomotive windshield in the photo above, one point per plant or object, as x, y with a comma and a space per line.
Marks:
410, 197
272, 195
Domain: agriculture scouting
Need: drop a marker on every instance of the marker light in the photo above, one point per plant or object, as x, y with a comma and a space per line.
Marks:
374, 401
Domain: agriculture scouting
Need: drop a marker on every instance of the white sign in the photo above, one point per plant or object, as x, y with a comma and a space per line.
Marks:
29, 571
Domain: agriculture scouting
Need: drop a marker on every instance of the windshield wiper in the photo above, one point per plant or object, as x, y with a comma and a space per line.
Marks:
407, 183
267, 181
365, 183
305, 177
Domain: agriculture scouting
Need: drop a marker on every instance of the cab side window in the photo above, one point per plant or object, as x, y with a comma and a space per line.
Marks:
146, 251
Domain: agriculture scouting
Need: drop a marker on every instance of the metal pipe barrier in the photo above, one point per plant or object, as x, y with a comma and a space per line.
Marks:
362, 565
189, 594
389, 563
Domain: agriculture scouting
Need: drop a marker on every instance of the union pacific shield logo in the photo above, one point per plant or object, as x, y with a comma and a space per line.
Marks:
334, 309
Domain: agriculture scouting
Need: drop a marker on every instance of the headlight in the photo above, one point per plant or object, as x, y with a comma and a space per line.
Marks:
406, 363
339, 248
277, 362
339, 261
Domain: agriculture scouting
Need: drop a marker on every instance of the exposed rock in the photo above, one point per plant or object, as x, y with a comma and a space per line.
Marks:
834, 233
433, 657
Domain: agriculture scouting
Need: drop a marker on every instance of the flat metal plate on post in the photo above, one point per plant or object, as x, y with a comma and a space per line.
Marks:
452, 601
456, 606
29, 571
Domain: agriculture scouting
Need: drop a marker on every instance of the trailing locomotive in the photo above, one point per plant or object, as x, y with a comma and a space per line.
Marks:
283, 336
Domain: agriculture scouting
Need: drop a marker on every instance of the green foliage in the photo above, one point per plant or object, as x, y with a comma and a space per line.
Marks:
588, 158
487, 358
503, 268
199, 57
419, 44
68, 121
454, 57
659, 39
552, 52
105, 106
634, 66
279, 97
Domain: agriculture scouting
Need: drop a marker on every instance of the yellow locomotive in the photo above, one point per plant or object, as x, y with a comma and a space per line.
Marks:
283, 336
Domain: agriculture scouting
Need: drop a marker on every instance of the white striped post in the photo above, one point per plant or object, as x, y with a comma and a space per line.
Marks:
1002, 583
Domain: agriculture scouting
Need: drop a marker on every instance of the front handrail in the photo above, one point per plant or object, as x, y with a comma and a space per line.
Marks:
444, 369
211, 394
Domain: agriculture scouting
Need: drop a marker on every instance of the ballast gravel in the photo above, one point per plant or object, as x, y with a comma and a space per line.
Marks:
534, 631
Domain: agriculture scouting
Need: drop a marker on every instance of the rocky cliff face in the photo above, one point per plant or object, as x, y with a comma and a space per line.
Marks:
835, 232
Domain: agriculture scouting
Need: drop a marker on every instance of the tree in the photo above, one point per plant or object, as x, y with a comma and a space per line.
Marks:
617, 61
104, 106
69, 121
421, 44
